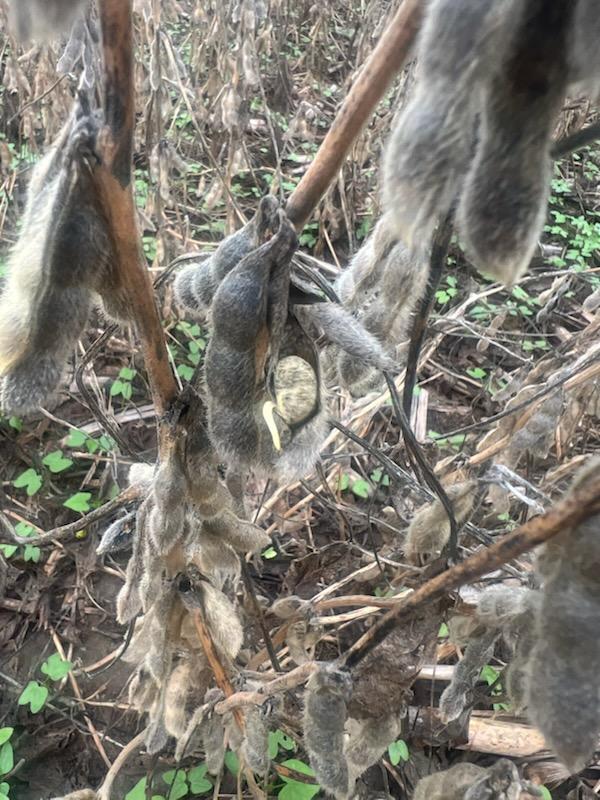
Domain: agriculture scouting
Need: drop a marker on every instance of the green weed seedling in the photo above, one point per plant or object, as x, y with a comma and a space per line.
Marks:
29, 552
7, 760
296, 790
188, 353
490, 675
122, 386
173, 785
398, 751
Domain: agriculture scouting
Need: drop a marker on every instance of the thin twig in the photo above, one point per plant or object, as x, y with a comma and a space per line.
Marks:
437, 262
214, 661
129, 495
257, 697
248, 582
104, 791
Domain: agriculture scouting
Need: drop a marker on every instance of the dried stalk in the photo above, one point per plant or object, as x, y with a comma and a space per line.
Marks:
113, 183
280, 684
104, 792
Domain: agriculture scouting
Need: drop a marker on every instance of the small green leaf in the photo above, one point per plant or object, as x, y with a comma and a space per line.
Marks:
294, 790
298, 766
379, 476
175, 777
91, 446
30, 480
79, 502
4, 790
545, 793
34, 695
232, 762
138, 792
16, 423
398, 751
443, 631
202, 786
517, 292
76, 438
199, 783
286, 741
279, 739
270, 552
105, 442
178, 789
116, 388
344, 482
31, 553
477, 373
23, 529
55, 667
7, 758
185, 371
489, 674
56, 462
127, 374
197, 772
8, 550
5, 734
360, 488
127, 391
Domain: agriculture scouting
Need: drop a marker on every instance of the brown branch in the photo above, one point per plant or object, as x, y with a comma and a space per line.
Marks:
223, 682
214, 661
128, 495
113, 181
280, 684
385, 61
581, 503
104, 792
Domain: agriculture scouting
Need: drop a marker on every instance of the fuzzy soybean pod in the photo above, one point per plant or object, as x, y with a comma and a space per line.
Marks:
325, 712
563, 685
457, 695
450, 784
59, 266
195, 286
429, 150
503, 206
